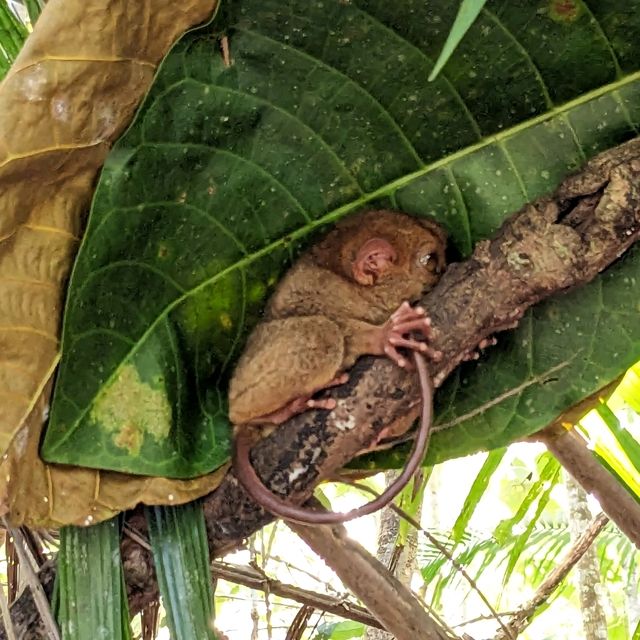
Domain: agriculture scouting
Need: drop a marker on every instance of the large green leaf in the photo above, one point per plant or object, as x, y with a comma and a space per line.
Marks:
326, 109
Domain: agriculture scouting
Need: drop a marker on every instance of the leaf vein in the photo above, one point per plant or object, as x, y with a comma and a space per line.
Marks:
260, 169
394, 123
128, 263
525, 54
450, 85
598, 26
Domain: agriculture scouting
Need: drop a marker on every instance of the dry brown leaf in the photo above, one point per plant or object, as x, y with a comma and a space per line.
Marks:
70, 93
50, 495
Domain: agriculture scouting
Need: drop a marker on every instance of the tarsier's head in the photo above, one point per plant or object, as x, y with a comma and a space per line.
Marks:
388, 250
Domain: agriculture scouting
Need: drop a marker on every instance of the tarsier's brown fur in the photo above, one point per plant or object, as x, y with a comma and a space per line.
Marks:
342, 299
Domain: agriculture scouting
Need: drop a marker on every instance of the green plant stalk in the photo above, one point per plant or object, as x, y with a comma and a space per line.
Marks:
179, 542
90, 583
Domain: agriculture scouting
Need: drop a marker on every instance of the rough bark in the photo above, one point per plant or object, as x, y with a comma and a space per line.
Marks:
587, 576
401, 561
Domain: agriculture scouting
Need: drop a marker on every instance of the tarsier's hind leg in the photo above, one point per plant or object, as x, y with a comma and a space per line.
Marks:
285, 362
302, 403
377, 339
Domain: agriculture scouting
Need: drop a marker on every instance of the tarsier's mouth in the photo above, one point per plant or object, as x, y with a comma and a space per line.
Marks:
429, 286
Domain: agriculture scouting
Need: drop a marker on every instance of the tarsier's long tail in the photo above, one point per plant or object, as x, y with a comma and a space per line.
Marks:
249, 479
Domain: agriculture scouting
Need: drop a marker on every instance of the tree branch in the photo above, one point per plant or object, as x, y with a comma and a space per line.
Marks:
382, 593
522, 617
552, 244
572, 453
254, 579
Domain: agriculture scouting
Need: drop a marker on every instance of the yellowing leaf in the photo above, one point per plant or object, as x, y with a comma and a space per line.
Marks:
70, 93
50, 495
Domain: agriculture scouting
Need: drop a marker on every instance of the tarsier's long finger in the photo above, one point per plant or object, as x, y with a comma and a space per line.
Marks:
488, 342
406, 312
338, 380
422, 324
416, 345
396, 356
404, 308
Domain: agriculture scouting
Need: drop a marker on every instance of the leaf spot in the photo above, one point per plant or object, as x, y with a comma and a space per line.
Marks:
130, 408
225, 321
564, 10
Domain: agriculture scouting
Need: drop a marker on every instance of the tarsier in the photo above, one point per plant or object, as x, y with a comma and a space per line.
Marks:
346, 297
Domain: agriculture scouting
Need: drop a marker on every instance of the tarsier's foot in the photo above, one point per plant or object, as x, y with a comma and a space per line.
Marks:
404, 320
301, 404
475, 353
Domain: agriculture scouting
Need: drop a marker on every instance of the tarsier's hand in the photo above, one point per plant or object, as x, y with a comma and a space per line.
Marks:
403, 321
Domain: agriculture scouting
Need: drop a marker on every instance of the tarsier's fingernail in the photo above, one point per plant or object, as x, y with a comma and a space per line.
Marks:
420, 310
423, 347
393, 341
402, 363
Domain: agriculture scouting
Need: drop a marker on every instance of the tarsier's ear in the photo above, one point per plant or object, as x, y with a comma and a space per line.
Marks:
374, 257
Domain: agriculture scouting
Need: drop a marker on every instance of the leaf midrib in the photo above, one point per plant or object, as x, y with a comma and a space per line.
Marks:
337, 213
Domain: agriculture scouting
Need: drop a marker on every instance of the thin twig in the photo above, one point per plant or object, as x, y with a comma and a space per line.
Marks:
6, 616
136, 537
13, 569
481, 618
255, 579
39, 596
265, 552
300, 622
522, 617
443, 550
310, 574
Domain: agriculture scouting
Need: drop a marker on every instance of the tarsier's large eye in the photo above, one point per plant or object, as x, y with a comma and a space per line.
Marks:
427, 260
